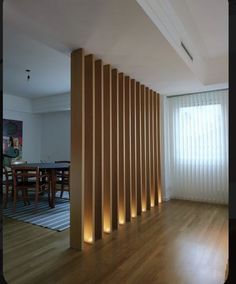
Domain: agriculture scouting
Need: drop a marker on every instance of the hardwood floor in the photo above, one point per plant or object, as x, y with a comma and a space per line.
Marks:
178, 242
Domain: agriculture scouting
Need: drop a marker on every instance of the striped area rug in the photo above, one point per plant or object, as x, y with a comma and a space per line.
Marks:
57, 218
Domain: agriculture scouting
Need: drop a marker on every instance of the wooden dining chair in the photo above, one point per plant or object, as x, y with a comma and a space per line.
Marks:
28, 178
7, 180
63, 179
7, 183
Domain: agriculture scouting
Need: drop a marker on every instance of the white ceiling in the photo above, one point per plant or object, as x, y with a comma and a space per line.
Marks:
39, 35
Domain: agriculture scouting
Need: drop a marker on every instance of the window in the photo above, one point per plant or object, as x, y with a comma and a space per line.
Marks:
197, 131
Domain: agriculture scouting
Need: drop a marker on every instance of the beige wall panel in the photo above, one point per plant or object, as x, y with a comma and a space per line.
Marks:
133, 151
98, 149
77, 150
107, 150
127, 150
115, 149
138, 147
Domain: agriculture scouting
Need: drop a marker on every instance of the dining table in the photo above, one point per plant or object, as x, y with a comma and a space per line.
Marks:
51, 170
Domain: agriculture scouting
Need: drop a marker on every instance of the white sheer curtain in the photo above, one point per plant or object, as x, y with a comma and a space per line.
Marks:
197, 141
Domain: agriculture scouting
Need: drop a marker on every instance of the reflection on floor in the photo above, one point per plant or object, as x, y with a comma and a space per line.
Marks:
179, 242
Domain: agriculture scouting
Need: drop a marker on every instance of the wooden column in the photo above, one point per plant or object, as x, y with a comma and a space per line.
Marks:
155, 155
98, 149
133, 151
159, 149
121, 167
152, 190
107, 150
115, 148
127, 151
89, 150
77, 150
143, 151
148, 176
138, 147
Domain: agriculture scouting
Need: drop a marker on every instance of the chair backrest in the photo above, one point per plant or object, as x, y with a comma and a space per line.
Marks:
7, 173
22, 173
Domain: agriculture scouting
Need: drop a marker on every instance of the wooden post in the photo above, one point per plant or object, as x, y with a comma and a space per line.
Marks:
115, 149
77, 150
138, 148
121, 168
107, 150
133, 151
127, 150
98, 149
143, 144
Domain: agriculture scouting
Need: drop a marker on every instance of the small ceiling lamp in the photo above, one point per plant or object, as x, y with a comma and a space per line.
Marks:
28, 74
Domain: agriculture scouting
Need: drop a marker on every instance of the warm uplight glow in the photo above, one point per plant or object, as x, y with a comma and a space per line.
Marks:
107, 230
89, 240
152, 204
121, 216
143, 209
133, 212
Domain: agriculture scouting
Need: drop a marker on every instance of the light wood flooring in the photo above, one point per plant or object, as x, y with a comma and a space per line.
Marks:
178, 242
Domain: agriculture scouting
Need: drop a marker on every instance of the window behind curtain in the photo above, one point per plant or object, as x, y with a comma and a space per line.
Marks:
198, 146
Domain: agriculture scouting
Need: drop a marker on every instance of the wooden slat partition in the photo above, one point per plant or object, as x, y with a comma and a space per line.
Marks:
115, 148
133, 152
77, 150
148, 176
121, 168
143, 151
89, 150
107, 150
127, 151
138, 148
98, 149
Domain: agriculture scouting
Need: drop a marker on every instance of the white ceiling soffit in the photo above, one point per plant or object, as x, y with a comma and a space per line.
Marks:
40, 35
204, 33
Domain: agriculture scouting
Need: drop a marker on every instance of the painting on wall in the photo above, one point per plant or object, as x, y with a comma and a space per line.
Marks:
12, 138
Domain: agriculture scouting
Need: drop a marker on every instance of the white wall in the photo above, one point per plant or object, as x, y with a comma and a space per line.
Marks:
46, 125
55, 136
18, 108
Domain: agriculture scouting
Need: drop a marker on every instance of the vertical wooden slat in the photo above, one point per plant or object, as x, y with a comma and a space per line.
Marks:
107, 150
143, 144
77, 150
115, 149
138, 147
127, 150
98, 149
159, 150
89, 150
152, 191
121, 168
155, 147
133, 152
147, 94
